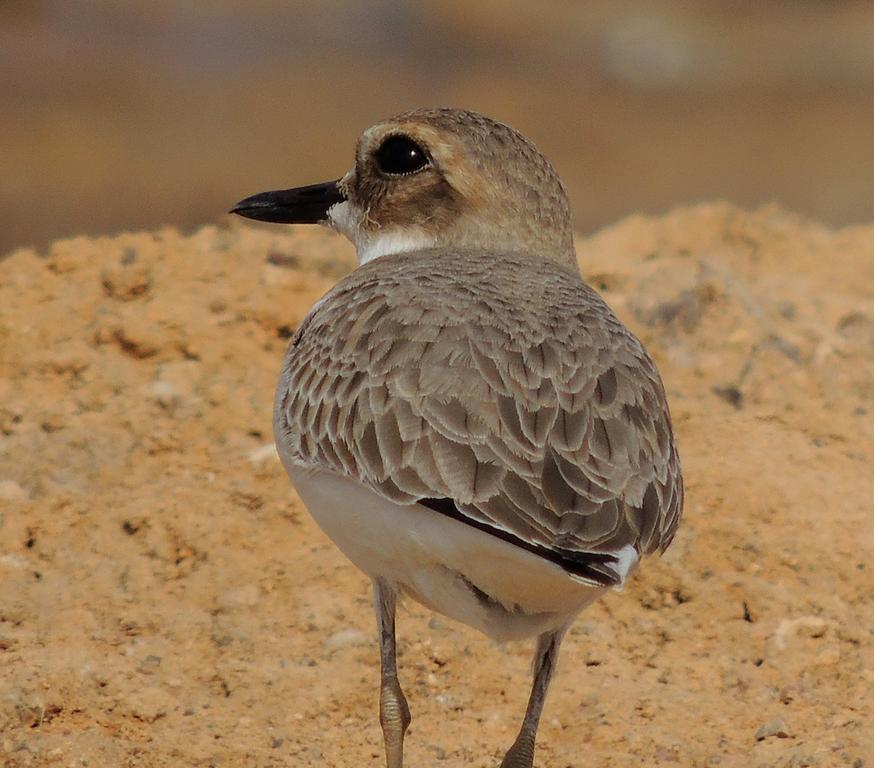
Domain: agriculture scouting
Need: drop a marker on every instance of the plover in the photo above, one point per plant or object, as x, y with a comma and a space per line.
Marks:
462, 414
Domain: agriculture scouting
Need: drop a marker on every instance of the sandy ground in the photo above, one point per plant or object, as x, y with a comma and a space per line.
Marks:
165, 599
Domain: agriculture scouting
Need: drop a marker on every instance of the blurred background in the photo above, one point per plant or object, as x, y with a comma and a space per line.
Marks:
136, 114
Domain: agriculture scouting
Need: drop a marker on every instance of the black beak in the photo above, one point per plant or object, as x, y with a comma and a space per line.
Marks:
301, 205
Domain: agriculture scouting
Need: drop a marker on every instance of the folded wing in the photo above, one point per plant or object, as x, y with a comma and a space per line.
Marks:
524, 409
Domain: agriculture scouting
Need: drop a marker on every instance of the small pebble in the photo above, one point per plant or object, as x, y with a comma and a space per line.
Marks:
12, 491
263, 454
346, 638
776, 728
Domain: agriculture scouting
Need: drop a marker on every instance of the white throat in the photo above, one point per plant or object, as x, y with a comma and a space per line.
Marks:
372, 245
387, 243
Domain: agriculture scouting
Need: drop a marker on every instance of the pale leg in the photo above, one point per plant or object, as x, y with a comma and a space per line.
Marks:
521, 754
394, 714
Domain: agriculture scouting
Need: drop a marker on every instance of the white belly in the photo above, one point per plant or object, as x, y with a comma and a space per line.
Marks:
455, 569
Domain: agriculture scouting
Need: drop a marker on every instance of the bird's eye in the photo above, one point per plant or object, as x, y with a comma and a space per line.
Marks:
398, 156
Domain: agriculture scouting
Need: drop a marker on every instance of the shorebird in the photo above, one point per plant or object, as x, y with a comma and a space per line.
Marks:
462, 414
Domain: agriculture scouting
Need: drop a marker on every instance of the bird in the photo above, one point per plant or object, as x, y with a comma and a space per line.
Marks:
462, 414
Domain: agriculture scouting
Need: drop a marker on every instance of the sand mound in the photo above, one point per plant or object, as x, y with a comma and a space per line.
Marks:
166, 600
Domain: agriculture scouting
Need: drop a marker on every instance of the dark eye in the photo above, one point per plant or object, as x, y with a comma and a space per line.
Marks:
398, 155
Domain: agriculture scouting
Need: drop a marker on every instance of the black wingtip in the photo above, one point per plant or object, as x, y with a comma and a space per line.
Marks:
592, 567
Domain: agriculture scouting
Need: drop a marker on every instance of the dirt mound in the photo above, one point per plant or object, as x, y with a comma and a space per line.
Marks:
166, 600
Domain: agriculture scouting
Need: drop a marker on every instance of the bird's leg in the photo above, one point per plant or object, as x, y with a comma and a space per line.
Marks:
394, 714
521, 754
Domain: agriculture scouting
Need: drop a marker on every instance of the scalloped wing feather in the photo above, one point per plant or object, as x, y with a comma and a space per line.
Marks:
513, 392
